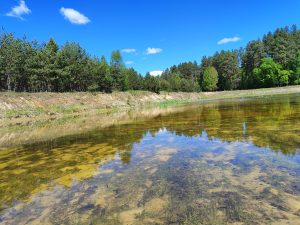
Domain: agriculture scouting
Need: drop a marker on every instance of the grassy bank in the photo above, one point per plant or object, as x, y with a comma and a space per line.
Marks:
16, 107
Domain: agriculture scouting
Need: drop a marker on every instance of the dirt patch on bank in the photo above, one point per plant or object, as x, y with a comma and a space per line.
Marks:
20, 107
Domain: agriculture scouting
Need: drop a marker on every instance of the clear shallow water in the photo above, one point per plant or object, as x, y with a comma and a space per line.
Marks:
232, 162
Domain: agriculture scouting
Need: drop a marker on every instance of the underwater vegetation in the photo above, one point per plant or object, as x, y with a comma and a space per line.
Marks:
227, 162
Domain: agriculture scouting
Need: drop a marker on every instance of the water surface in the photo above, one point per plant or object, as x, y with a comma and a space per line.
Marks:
228, 162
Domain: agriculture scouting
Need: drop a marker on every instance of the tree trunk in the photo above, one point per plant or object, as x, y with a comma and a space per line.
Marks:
8, 82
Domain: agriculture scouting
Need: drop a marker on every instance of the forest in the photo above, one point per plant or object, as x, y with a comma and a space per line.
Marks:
30, 66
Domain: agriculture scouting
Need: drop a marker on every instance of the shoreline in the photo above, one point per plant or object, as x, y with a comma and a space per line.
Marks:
20, 108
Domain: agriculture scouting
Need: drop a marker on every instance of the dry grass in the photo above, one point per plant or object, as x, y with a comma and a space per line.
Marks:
35, 105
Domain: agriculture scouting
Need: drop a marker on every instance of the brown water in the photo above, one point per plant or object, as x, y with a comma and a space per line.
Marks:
230, 162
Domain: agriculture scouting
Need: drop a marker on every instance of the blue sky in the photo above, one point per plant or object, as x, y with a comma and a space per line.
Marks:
154, 34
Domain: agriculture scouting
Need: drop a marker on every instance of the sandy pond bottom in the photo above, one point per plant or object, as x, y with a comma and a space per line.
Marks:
220, 163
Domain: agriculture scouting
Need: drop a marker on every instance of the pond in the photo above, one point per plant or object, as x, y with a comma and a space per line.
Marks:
225, 162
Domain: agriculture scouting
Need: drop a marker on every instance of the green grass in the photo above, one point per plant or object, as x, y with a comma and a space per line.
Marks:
16, 113
65, 109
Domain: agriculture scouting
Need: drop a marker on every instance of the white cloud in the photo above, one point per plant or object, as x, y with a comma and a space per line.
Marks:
129, 62
19, 10
228, 40
128, 50
151, 51
74, 16
156, 73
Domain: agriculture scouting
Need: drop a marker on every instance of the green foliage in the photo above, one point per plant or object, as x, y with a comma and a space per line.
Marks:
118, 72
33, 67
295, 77
186, 70
134, 80
151, 83
187, 85
30, 66
101, 78
12, 60
283, 45
210, 79
175, 82
164, 85
183, 77
227, 65
251, 58
270, 74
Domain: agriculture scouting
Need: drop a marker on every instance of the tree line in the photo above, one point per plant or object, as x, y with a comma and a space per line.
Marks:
31, 66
